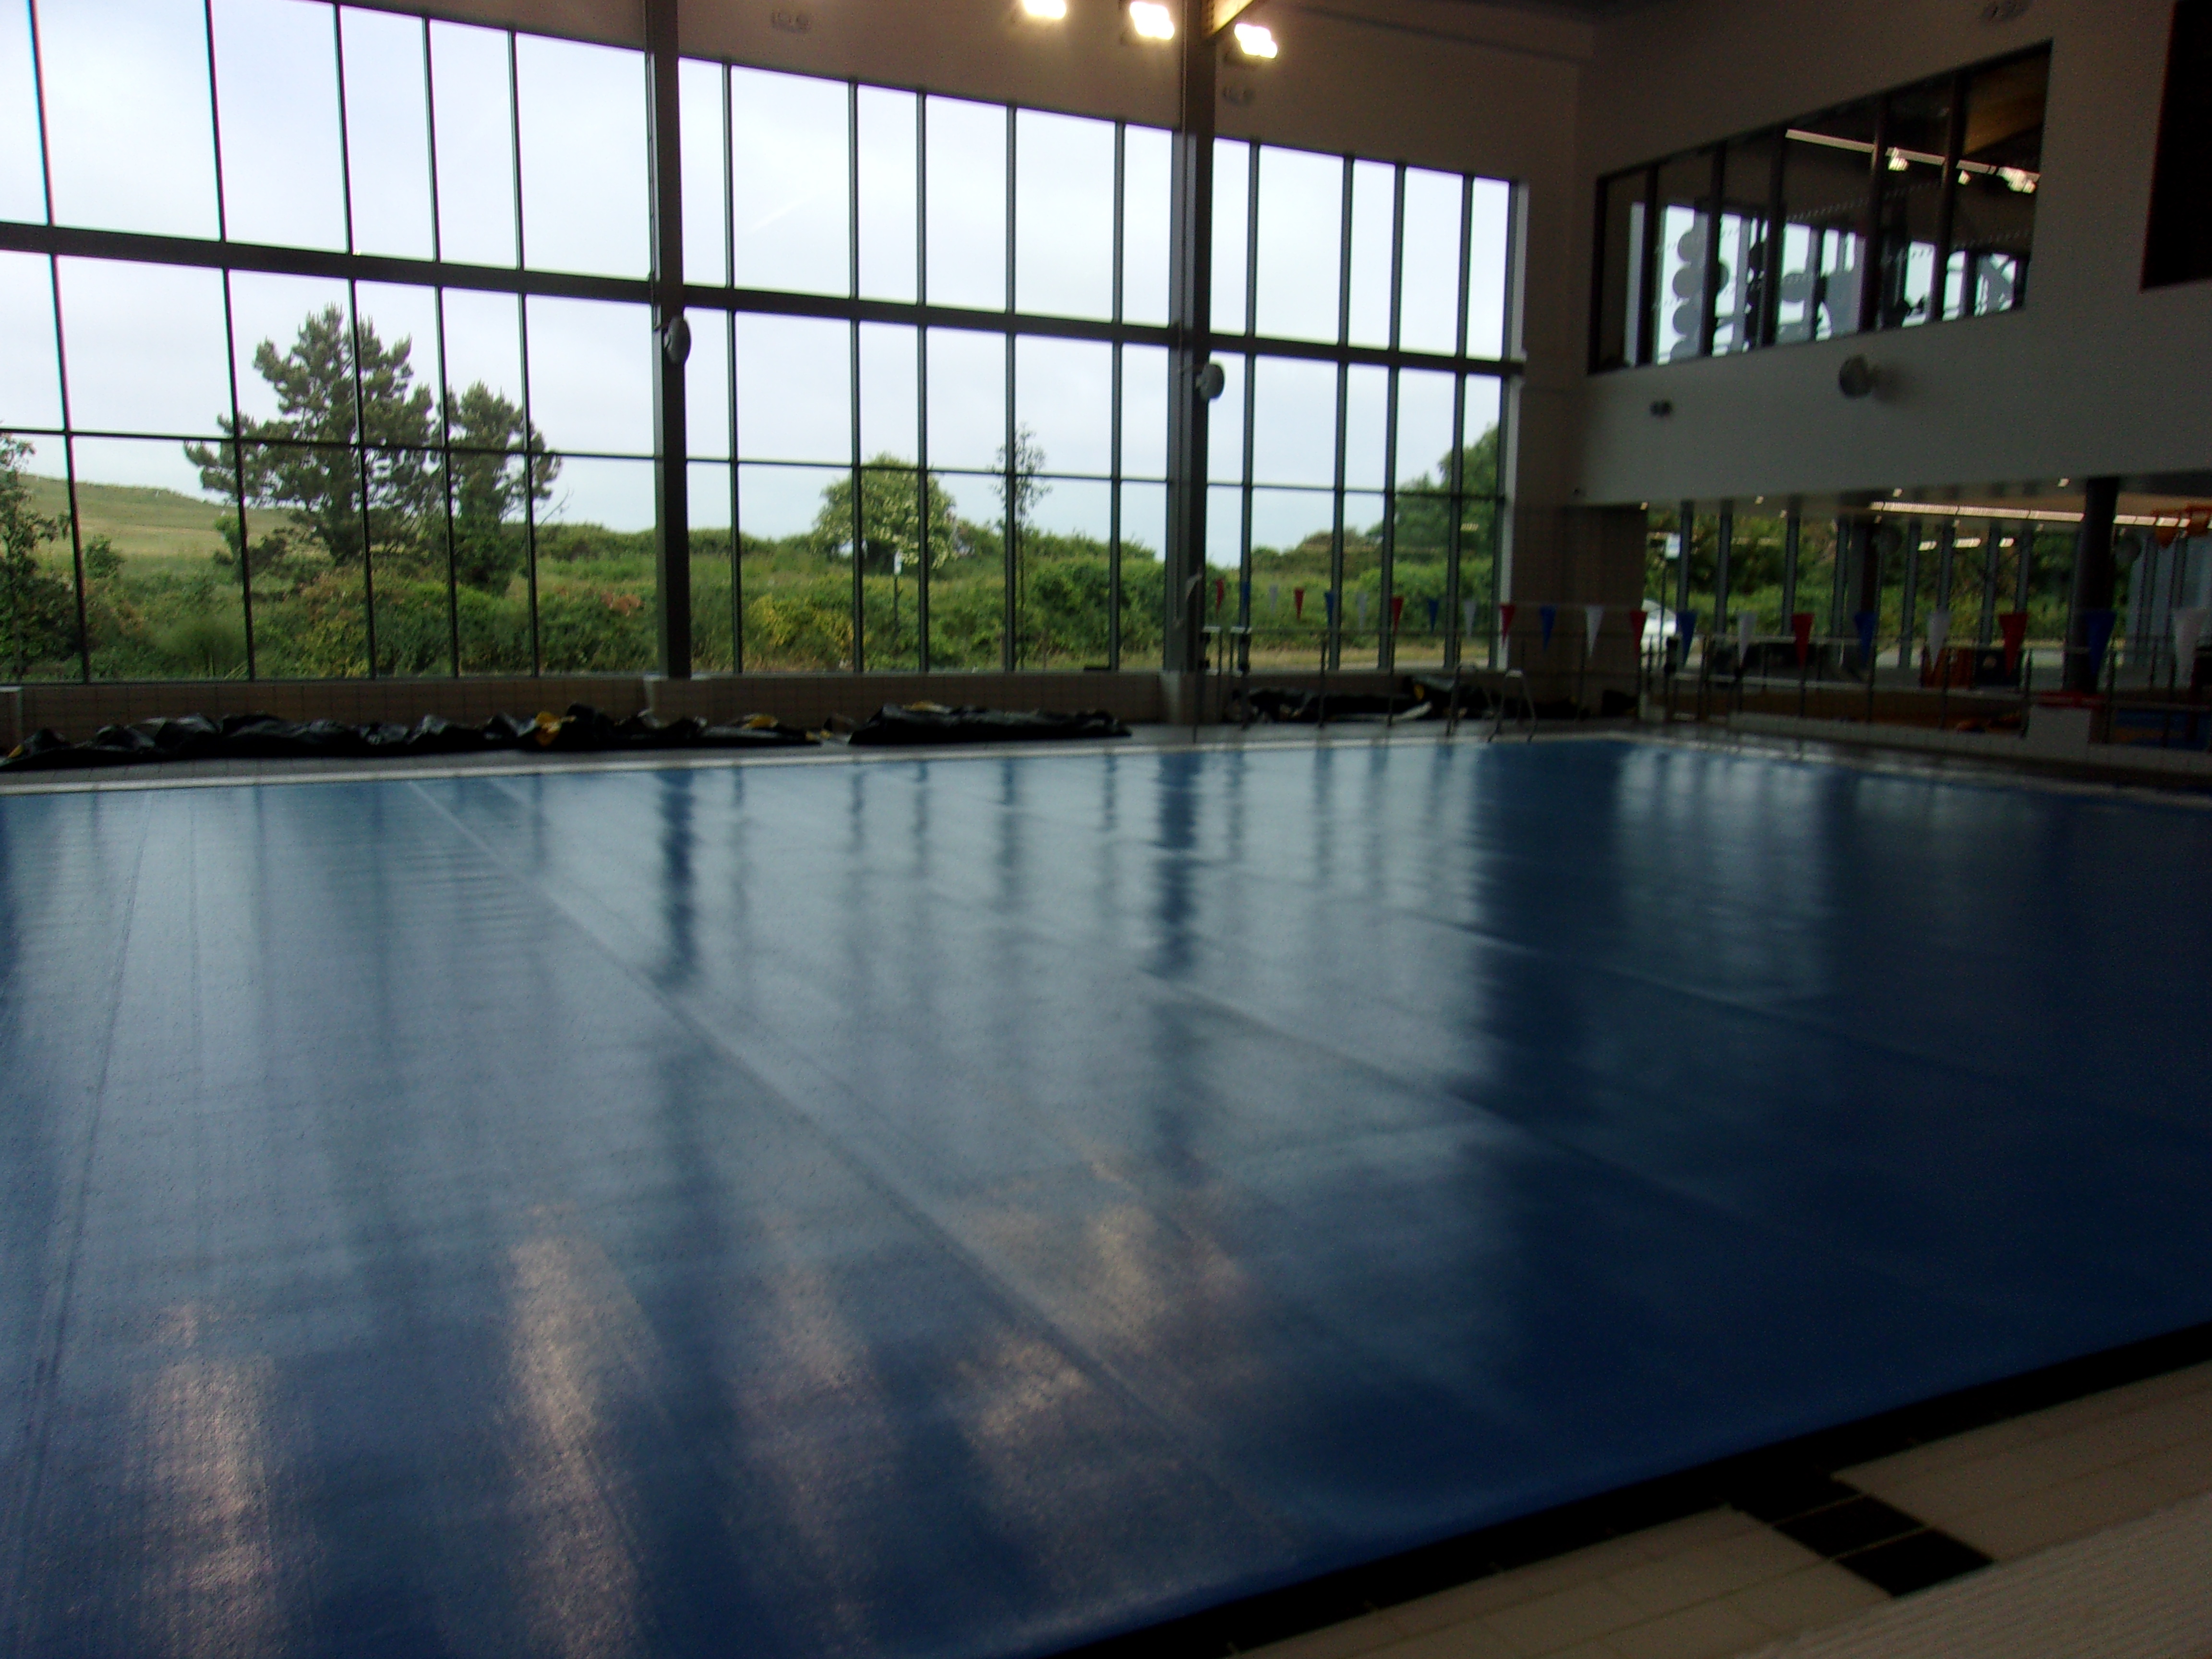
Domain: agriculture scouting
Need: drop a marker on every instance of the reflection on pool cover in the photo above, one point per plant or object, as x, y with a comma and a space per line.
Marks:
972, 1207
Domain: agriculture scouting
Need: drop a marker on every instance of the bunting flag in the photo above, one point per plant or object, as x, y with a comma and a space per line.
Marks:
1274, 597
2200, 518
1745, 623
1328, 603
1865, 621
2097, 635
1686, 629
1939, 631
1547, 618
1220, 591
1397, 610
1466, 607
1244, 597
1643, 622
2013, 625
1593, 614
1505, 618
1433, 606
1298, 602
1362, 610
2188, 628
2163, 533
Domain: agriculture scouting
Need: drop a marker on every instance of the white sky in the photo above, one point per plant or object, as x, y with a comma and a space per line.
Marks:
133, 136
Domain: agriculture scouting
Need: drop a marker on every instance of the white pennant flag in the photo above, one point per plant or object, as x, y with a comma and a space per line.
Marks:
2188, 628
1745, 622
1467, 611
1939, 630
1274, 596
1362, 611
1593, 614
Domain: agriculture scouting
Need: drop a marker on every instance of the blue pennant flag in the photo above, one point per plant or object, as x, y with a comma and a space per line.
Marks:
1865, 621
1685, 629
1329, 599
1547, 616
2097, 634
1433, 604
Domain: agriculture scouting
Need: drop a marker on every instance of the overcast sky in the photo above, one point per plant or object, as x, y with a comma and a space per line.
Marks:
134, 131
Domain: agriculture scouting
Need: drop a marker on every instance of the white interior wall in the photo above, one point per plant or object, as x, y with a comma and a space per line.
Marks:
2093, 375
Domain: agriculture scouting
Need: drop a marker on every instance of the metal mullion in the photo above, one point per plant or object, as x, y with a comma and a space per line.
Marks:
237, 474
522, 332
215, 126
1770, 307
1010, 555
730, 381
361, 478
1870, 278
1708, 322
438, 304
1251, 382
1332, 605
1455, 482
853, 370
1647, 331
1114, 439
1792, 529
1947, 200
921, 373
61, 362
1386, 555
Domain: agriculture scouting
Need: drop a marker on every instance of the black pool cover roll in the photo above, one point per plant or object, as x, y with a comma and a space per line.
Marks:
917, 723
583, 729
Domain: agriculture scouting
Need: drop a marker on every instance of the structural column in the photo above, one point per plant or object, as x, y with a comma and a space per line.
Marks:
1190, 324
2094, 577
671, 545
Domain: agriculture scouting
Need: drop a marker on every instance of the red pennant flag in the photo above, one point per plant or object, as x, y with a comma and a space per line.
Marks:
1505, 617
1801, 626
1298, 602
1220, 591
1643, 622
1397, 609
2014, 624
2166, 533
2200, 518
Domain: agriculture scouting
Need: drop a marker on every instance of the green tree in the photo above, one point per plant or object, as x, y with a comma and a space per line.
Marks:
892, 510
37, 608
1015, 483
498, 464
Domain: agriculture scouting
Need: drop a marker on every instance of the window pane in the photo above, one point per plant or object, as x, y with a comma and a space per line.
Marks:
476, 146
1061, 591
22, 186
38, 627
294, 338
1428, 318
583, 157
789, 160
1144, 411
305, 545
483, 346
491, 499
1224, 545
276, 85
2001, 164
1224, 426
1063, 215
591, 374
1745, 206
1425, 429
161, 585
1686, 186
1366, 406
706, 173
1372, 184
794, 389
387, 115
127, 115
1480, 431
1826, 163
1911, 201
1294, 423
1292, 530
966, 398
1144, 533
596, 603
890, 392
1233, 188
1301, 225
1620, 323
967, 203
146, 346
1145, 167
1361, 610
1488, 258
709, 486
968, 588
889, 254
798, 596
414, 607
893, 516
707, 387
1064, 403
30, 388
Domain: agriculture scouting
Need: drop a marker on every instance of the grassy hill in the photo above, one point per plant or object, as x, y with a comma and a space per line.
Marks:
143, 522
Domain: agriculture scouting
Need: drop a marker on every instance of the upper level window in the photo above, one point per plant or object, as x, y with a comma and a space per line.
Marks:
1915, 206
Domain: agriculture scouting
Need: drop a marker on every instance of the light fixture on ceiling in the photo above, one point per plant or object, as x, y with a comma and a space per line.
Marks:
1255, 42
1149, 21
2062, 483
1044, 11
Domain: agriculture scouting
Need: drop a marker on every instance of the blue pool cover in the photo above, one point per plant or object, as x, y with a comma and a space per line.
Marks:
970, 1207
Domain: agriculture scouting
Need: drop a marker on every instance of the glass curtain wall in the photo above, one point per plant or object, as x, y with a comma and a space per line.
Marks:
1914, 207
330, 354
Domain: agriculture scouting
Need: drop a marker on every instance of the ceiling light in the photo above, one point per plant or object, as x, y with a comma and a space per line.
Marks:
1254, 40
1150, 20
1897, 162
2062, 483
1045, 11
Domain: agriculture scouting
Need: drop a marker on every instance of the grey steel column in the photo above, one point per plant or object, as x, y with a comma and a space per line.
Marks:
671, 516
1190, 326
2095, 575
1793, 525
